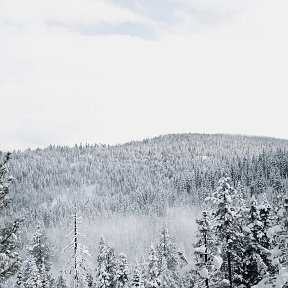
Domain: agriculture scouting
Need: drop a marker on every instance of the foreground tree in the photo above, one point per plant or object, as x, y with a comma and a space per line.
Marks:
225, 228
207, 258
40, 252
152, 277
122, 271
10, 261
106, 266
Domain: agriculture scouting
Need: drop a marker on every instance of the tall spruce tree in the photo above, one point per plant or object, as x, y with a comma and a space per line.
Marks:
10, 261
61, 281
255, 255
122, 271
207, 255
223, 222
40, 252
279, 239
106, 266
152, 277
136, 280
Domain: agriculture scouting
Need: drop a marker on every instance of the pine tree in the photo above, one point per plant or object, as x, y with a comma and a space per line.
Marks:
10, 261
224, 227
90, 280
19, 280
40, 252
152, 279
78, 266
207, 255
30, 275
166, 249
122, 271
279, 239
253, 263
61, 281
106, 266
136, 280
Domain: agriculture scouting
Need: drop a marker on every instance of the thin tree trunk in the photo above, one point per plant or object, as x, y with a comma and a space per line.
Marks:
229, 268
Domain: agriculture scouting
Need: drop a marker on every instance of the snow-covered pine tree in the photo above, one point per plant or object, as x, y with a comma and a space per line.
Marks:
40, 252
254, 254
10, 261
267, 219
106, 266
136, 280
30, 275
77, 264
19, 280
207, 255
226, 232
166, 252
166, 279
61, 281
166, 248
152, 279
90, 281
122, 271
279, 239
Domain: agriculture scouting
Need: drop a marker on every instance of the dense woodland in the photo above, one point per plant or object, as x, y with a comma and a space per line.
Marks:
241, 236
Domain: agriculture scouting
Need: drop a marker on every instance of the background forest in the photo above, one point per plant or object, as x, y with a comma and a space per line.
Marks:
126, 193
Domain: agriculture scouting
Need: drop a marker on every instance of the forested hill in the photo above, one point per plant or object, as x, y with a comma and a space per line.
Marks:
142, 177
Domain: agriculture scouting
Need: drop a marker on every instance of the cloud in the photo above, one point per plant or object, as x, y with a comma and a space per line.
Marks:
32, 15
60, 86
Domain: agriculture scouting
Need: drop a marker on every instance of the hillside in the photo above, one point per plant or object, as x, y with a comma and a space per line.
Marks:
142, 177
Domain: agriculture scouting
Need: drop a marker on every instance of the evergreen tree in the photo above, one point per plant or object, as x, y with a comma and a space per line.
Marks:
136, 280
61, 281
19, 280
106, 266
122, 271
279, 239
40, 252
9, 259
207, 257
255, 255
77, 264
166, 249
152, 279
30, 275
224, 216
90, 281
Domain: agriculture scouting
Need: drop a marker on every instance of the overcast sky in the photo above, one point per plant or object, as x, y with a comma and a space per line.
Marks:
97, 71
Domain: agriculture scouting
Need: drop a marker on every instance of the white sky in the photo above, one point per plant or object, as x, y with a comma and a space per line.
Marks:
113, 71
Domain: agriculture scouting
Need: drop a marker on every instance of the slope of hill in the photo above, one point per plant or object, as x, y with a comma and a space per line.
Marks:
141, 177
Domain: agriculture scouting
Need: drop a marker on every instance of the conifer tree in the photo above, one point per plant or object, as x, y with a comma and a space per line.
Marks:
136, 280
254, 256
10, 261
77, 264
168, 258
279, 239
207, 257
152, 279
166, 249
19, 280
224, 215
122, 271
30, 275
61, 281
106, 266
40, 252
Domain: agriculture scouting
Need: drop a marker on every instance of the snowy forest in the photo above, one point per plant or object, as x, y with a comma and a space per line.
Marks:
189, 210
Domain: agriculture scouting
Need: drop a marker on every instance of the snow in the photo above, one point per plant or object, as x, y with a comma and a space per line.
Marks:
282, 278
217, 261
204, 273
